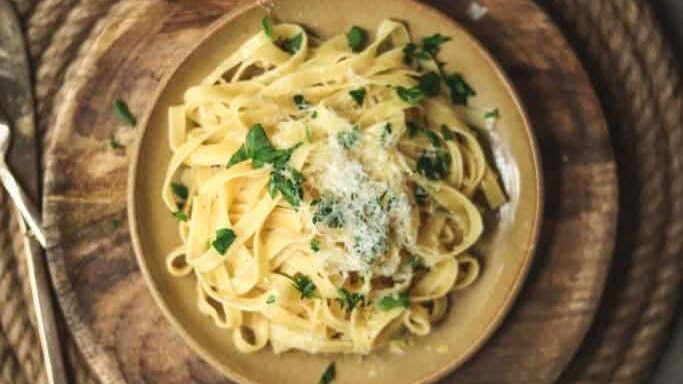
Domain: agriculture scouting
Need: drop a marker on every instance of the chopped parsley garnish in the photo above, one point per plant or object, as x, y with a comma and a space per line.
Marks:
122, 112
459, 88
292, 45
258, 148
412, 51
116, 223
348, 139
356, 38
426, 51
393, 301
180, 215
115, 143
328, 213
328, 375
270, 299
434, 164
349, 300
283, 177
412, 96
301, 102
314, 115
315, 245
421, 195
303, 284
492, 114
447, 133
358, 95
432, 137
267, 26
432, 44
430, 84
386, 132
287, 180
224, 238
180, 190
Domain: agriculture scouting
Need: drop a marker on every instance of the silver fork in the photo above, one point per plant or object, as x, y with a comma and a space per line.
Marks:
26, 208
39, 279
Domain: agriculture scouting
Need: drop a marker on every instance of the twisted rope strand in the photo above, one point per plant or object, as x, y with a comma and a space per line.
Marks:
637, 56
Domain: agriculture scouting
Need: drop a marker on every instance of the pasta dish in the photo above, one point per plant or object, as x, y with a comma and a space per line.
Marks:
328, 192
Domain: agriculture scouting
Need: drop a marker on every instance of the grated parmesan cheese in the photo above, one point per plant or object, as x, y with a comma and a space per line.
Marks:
367, 207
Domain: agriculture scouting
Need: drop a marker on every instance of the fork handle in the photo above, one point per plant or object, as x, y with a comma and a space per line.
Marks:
26, 208
46, 314
39, 280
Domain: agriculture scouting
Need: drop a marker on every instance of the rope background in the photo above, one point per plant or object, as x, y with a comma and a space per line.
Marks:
639, 82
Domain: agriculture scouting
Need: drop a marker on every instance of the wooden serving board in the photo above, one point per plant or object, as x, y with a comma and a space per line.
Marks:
121, 331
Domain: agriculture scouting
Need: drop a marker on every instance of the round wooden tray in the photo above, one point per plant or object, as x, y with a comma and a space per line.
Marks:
109, 310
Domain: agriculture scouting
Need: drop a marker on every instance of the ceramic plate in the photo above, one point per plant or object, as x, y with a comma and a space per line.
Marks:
506, 250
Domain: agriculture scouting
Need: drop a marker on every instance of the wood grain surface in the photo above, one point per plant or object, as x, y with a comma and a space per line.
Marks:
121, 331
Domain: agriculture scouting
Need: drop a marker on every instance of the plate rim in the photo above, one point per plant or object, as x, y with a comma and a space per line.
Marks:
509, 299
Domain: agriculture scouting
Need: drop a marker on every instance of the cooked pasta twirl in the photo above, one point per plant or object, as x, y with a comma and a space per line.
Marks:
325, 190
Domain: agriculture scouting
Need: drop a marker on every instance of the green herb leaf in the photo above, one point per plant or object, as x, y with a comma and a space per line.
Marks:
283, 177
430, 83
329, 374
257, 147
328, 213
434, 165
412, 96
412, 52
257, 142
432, 44
115, 143
122, 112
267, 26
116, 223
447, 133
286, 180
358, 95
350, 300
180, 190
356, 38
394, 301
492, 114
386, 132
315, 245
459, 88
314, 115
421, 195
433, 138
304, 285
180, 215
271, 299
348, 139
301, 102
224, 238
238, 157
292, 45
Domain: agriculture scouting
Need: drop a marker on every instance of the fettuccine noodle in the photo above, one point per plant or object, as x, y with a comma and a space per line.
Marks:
325, 191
